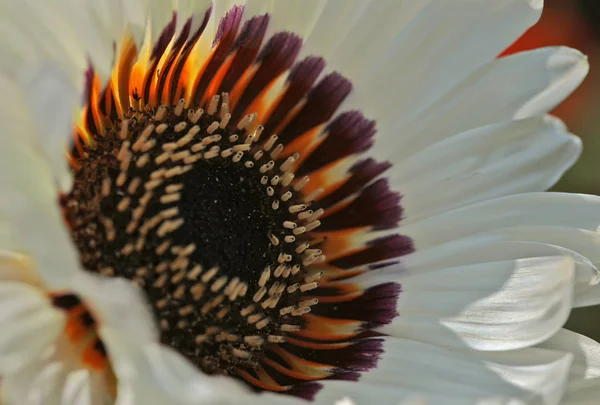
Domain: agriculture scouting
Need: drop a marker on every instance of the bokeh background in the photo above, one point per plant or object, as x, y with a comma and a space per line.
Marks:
576, 23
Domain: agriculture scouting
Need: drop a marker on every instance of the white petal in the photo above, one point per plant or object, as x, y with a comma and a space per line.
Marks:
258, 7
345, 401
136, 14
514, 243
29, 325
433, 46
296, 17
78, 389
442, 44
581, 241
585, 243
17, 123
363, 393
118, 304
349, 20
416, 373
17, 267
586, 294
40, 383
508, 88
583, 393
69, 33
51, 381
28, 179
159, 374
154, 374
483, 163
584, 380
535, 376
97, 27
345, 30
414, 400
501, 305
194, 9
481, 249
32, 32
160, 14
52, 114
586, 352
36, 359
530, 209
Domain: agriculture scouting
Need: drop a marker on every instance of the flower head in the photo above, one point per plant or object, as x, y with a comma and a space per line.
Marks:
313, 199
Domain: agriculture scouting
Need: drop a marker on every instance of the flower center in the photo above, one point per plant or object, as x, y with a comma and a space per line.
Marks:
181, 187
195, 211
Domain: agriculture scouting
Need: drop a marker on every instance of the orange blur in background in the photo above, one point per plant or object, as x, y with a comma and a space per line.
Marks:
563, 23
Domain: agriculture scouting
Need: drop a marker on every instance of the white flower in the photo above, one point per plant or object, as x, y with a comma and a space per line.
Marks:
322, 199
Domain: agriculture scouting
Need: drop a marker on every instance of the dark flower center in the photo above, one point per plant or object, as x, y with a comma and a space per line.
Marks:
206, 223
181, 187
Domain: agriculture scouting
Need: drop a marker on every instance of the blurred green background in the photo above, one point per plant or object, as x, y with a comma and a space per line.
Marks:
576, 23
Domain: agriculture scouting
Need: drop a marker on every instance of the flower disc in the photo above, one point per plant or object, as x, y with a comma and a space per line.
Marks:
235, 195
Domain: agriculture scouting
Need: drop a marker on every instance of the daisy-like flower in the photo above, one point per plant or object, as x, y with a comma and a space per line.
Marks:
304, 200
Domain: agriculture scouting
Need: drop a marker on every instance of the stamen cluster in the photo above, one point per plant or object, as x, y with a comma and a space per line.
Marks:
209, 220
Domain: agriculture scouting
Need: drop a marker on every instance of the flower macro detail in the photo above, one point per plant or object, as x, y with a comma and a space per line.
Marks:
218, 188
289, 202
